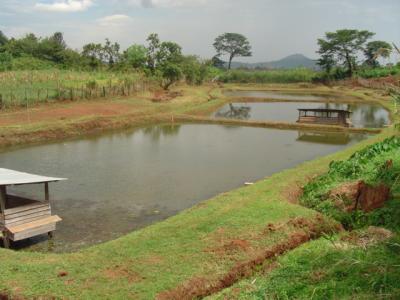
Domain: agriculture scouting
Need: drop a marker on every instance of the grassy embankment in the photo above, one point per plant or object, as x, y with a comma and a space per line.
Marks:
361, 264
209, 245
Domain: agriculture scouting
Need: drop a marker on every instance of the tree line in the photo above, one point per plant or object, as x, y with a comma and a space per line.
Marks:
342, 53
345, 51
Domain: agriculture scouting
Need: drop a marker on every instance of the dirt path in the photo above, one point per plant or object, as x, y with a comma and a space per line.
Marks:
62, 111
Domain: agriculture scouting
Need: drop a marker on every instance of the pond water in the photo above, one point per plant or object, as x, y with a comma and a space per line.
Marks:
124, 181
364, 115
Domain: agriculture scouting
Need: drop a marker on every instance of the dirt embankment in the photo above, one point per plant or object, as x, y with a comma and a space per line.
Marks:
301, 230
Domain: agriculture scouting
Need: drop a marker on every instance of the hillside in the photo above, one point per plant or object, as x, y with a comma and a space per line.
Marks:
288, 62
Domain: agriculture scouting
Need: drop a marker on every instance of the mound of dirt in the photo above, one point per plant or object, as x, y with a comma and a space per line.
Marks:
356, 195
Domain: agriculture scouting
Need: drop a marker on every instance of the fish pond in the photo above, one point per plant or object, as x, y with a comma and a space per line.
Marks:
364, 115
124, 181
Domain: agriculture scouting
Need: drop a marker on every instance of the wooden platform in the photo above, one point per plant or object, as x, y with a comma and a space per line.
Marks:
34, 228
24, 218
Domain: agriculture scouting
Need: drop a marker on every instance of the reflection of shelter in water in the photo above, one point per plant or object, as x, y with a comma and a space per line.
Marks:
22, 218
325, 116
240, 112
330, 138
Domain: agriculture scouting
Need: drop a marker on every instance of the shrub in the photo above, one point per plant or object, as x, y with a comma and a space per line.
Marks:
367, 165
270, 76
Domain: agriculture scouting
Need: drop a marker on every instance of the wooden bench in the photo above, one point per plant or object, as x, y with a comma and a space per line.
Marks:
30, 229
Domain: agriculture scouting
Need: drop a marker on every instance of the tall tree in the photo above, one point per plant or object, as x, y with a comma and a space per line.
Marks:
136, 56
94, 54
58, 39
152, 49
376, 49
344, 46
168, 52
51, 48
233, 44
27, 45
111, 52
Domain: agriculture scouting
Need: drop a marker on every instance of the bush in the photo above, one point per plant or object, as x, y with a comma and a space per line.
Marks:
378, 72
271, 76
31, 63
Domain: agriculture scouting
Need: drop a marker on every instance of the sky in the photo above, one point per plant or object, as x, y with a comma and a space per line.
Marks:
275, 28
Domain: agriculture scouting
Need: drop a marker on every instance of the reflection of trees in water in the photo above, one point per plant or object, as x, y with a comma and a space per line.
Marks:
365, 115
241, 112
155, 132
330, 138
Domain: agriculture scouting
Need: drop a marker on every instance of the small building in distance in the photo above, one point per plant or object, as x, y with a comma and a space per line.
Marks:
324, 116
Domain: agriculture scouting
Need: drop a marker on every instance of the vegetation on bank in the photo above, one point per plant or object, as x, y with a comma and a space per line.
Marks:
358, 264
374, 165
271, 76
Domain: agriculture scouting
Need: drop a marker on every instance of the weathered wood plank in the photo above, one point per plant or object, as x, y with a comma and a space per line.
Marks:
33, 232
28, 218
25, 221
33, 224
25, 207
27, 212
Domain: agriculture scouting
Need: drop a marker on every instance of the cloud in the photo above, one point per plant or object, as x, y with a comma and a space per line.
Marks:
113, 20
65, 5
168, 3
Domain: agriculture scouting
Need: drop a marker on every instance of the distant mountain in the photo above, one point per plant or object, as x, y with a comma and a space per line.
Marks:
288, 62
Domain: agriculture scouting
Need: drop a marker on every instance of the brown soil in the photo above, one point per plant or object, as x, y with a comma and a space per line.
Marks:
119, 272
358, 195
199, 287
66, 111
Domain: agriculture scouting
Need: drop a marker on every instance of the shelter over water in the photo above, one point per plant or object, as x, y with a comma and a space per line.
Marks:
20, 217
325, 116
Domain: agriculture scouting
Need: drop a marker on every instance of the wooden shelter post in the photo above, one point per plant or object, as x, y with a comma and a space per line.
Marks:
46, 192
3, 201
3, 198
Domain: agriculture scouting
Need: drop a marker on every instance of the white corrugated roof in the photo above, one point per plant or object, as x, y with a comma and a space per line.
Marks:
11, 177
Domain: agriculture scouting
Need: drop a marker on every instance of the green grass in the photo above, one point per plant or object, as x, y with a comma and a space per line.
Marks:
271, 76
326, 269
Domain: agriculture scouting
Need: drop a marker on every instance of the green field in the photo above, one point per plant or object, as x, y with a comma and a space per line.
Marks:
27, 88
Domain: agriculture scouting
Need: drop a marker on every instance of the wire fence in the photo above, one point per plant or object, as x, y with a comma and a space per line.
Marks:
23, 97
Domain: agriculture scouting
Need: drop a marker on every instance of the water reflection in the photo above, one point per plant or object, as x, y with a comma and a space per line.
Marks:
329, 138
240, 112
157, 131
363, 115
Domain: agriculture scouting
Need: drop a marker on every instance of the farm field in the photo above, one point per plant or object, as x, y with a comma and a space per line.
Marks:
219, 236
